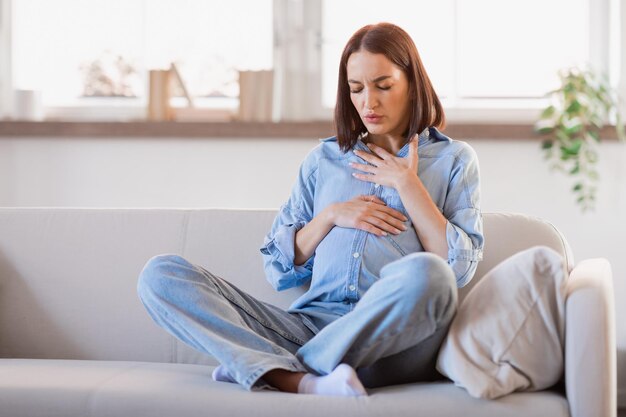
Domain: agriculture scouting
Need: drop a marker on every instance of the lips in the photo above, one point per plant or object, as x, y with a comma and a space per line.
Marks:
372, 118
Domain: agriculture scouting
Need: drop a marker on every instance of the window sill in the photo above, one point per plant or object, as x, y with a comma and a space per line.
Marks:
313, 129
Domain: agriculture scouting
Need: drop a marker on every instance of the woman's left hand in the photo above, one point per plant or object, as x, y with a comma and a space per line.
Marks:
387, 169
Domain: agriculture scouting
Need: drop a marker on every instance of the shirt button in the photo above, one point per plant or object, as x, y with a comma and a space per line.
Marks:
356, 254
352, 287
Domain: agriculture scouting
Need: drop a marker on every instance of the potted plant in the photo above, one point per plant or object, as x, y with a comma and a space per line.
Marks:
572, 123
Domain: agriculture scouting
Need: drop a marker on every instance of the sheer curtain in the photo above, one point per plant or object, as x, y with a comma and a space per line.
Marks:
6, 89
297, 60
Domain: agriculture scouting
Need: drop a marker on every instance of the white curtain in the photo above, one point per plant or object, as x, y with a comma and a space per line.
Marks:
297, 60
6, 90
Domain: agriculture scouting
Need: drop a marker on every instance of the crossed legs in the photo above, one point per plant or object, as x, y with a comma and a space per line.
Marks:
392, 335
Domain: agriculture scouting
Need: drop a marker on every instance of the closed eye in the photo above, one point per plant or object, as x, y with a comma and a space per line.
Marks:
358, 91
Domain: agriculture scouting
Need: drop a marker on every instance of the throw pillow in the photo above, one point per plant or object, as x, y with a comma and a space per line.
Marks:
508, 333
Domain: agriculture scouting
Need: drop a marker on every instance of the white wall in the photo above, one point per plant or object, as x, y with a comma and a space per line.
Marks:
260, 172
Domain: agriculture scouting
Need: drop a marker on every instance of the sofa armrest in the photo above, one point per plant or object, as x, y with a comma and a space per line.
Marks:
590, 363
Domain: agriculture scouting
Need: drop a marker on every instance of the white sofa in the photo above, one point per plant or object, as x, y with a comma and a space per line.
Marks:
76, 341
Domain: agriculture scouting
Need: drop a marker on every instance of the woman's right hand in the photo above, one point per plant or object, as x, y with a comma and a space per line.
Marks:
365, 212
369, 213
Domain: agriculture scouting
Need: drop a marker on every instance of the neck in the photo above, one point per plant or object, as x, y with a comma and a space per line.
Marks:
390, 143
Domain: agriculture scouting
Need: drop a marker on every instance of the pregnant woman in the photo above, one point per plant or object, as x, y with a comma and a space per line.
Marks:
383, 224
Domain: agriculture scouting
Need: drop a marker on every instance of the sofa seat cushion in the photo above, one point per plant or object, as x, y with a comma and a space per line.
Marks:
68, 388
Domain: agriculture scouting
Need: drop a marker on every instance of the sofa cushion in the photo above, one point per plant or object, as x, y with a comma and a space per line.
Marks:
68, 273
508, 333
65, 388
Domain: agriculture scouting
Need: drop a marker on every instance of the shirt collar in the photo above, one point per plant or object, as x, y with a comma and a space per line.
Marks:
422, 139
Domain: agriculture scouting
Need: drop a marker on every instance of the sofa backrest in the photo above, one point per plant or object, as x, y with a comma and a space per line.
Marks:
68, 276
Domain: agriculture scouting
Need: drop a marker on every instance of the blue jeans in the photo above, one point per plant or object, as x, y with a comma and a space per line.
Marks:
392, 336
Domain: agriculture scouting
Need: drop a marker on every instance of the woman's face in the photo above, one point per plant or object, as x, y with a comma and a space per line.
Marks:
379, 91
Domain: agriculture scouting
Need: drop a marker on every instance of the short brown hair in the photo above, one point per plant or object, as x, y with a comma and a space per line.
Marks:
393, 42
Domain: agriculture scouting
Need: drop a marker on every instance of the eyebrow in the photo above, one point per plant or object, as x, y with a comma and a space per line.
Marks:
383, 77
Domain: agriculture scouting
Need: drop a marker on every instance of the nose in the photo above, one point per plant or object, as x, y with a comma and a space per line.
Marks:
371, 99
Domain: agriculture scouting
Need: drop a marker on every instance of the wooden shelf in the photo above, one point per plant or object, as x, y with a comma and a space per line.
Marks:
311, 130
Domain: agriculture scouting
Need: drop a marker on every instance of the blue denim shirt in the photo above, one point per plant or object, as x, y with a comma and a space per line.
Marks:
348, 261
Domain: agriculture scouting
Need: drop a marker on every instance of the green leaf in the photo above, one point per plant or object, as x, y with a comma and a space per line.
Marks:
544, 130
548, 112
573, 108
562, 136
544, 126
547, 144
574, 128
575, 170
619, 129
572, 149
596, 121
594, 134
577, 187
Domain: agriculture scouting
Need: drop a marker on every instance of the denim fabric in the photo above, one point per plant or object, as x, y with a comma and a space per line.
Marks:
349, 261
392, 336
413, 301
213, 316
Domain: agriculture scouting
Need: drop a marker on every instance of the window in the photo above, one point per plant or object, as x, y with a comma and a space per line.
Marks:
518, 51
488, 59
420, 18
472, 49
90, 53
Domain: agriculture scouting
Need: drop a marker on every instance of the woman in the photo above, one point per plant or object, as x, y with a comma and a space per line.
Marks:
383, 222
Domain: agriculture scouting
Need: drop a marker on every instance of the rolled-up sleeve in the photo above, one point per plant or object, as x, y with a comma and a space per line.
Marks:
278, 248
464, 228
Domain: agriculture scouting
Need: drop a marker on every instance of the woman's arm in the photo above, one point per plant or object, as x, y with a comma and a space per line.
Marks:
401, 174
429, 223
310, 236
464, 228
456, 234
365, 212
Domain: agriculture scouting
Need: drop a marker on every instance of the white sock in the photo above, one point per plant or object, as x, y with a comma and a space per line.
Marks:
342, 381
221, 374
